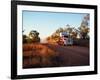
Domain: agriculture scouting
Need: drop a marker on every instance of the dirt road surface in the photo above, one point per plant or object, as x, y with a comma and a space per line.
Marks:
71, 55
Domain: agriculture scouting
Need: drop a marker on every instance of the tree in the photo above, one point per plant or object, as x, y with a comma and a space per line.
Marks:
74, 34
24, 39
59, 30
84, 29
34, 35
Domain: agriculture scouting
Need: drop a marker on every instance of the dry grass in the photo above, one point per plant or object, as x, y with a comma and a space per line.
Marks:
40, 49
37, 55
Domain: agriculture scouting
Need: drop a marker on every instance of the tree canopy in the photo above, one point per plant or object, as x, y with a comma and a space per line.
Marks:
32, 37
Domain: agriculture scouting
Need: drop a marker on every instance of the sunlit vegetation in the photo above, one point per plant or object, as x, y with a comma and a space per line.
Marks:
39, 55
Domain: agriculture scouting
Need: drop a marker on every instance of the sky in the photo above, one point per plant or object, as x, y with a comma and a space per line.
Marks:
47, 23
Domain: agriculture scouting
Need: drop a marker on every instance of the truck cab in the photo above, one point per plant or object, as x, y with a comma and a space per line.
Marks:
65, 39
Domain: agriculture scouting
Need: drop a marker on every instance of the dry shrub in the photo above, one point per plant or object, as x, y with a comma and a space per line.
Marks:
27, 53
26, 62
39, 54
44, 50
40, 49
27, 47
36, 60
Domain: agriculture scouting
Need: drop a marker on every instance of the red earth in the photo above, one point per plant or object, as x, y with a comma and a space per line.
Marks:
50, 55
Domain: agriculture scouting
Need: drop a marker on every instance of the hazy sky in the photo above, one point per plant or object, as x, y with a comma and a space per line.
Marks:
47, 22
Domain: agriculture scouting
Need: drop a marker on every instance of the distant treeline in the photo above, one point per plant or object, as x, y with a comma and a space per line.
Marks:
82, 33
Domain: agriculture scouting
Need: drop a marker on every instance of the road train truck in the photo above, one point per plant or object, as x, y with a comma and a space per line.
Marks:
65, 39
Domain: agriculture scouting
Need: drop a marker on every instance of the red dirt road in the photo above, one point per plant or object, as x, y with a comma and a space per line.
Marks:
72, 55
